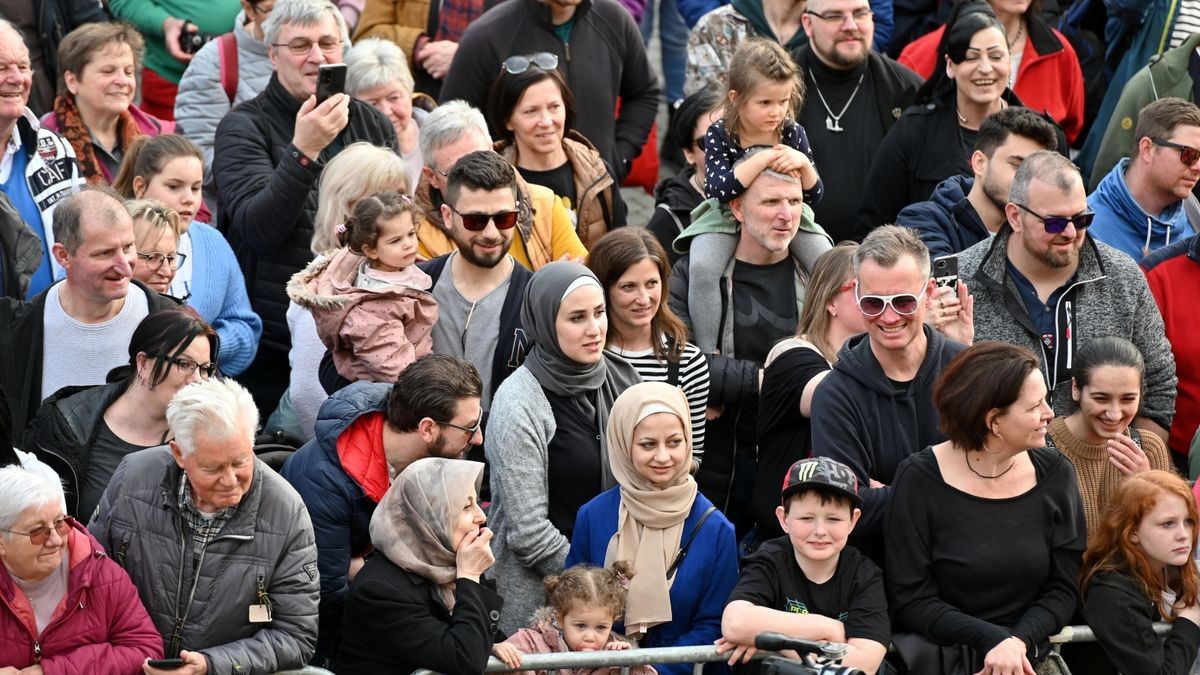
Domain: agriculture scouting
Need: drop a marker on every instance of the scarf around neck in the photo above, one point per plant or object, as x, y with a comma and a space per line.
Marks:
73, 128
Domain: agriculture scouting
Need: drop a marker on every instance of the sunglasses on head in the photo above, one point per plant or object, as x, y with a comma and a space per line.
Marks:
904, 304
1187, 154
477, 222
1058, 224
515, 65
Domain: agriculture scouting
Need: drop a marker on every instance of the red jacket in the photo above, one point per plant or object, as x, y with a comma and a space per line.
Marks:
1048, 79
99, 628
1173, 273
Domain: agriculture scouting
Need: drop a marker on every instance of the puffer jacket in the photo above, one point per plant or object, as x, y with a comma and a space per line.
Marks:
99, 627
64, 432
202, 101
597, 199
947, 222
1123, 224
20, 252
341, 494
374, 334
1109, 296
266, 546
544, 231
268, 194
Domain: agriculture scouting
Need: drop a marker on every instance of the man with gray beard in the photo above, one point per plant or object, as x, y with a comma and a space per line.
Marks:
964, 211
854, 96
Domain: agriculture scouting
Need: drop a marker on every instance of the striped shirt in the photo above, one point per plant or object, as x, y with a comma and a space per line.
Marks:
693, 380
1186, 22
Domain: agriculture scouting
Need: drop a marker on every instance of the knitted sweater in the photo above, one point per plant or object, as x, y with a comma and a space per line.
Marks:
1098, 478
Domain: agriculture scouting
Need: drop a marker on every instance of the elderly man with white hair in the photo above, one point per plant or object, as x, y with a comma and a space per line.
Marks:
220, 547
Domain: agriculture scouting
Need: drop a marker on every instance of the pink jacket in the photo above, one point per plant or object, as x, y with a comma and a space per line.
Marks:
373, 333
100, 626
147, 124
544, 637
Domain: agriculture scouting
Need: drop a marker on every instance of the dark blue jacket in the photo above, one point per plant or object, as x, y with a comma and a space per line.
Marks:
340, 509
947, 223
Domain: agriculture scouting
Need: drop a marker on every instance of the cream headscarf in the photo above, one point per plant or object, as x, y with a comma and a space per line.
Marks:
413, 523
649, 519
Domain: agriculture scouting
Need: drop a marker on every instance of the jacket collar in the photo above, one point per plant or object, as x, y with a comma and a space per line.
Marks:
27, 127
993, 268
1045, 42
280, 98
245, 516
1114, 190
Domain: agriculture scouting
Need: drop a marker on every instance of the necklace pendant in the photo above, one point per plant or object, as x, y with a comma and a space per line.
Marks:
833, 125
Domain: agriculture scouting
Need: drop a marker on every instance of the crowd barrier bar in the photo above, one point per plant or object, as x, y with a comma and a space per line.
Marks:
698, 655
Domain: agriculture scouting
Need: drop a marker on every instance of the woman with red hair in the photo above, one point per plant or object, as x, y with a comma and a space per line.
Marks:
1140, 568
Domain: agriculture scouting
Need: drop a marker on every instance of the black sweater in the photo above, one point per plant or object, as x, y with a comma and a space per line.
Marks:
965, 570
1116, 607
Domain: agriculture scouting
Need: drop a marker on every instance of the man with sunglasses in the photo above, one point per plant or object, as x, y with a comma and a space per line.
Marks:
77, 330
367, 434
1043, 283
1140, 204
594, 43
267, 161
875, 408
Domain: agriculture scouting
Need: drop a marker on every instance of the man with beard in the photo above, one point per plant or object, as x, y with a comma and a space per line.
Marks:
1043, 283
367, 434
964, 211
850, 88
543, 231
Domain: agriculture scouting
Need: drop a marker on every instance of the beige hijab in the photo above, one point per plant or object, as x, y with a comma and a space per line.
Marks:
413, 523
649, 519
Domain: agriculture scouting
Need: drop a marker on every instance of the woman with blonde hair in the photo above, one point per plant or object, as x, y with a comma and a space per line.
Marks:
156, 237
1139, 568
794, 368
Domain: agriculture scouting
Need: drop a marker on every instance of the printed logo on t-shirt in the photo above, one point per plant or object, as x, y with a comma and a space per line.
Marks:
796, 607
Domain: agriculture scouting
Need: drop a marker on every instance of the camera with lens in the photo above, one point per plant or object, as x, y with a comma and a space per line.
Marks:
809, 652
190, 41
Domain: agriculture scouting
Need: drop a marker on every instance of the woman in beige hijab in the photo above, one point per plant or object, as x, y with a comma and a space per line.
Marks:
421, 600
683, 550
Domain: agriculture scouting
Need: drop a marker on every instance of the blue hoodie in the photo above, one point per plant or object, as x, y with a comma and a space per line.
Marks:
947, 222
1123, 224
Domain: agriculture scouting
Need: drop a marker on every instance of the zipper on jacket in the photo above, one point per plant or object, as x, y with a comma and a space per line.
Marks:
37, 651
122, 551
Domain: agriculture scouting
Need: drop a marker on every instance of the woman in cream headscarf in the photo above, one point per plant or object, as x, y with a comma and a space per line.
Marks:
421, 601
544, 433
676, 596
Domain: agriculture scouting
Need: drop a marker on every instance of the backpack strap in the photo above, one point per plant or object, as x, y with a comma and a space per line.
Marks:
683, 549
227, 54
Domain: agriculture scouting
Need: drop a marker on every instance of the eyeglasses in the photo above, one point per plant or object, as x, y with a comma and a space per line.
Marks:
39, 535
156, 260
1187, 154
186, 366
699, 143
859, 16
904, 304
1058, 224
515, 65
477, 222
469, 430
302, 46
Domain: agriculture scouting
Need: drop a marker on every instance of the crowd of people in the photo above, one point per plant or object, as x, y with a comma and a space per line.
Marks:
326, 342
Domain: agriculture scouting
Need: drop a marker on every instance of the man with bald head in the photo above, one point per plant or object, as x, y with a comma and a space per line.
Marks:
77, 330
1043, 283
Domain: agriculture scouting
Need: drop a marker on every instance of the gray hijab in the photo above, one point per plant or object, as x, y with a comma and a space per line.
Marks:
593, 387
413, 524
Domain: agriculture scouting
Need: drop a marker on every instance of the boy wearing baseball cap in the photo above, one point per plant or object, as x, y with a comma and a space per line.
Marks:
807, 584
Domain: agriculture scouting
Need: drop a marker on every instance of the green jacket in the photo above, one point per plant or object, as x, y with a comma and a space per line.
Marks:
210, 16
713, 216
1165, 76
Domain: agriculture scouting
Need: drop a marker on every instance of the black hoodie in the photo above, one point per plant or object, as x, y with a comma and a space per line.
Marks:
862, 420
674, 199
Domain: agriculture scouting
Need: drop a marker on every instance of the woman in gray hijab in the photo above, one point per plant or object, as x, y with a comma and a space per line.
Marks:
545, 443
421, 600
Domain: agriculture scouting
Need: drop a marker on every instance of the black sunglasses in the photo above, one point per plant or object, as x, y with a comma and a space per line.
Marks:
515, 65
1058, 224
477, 222
1187, 154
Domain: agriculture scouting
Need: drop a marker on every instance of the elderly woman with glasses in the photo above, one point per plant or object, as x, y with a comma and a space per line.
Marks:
65, 607
377, 72
531, 110
83, 433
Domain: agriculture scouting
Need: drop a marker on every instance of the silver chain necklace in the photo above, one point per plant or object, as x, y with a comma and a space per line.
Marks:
833, 122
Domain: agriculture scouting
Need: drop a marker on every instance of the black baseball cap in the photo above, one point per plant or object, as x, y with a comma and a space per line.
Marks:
823, 473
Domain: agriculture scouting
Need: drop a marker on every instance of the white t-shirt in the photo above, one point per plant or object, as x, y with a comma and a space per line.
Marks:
77, 353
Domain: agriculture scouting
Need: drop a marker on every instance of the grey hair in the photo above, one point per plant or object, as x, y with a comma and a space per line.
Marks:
22, 489
885, 244
222, 407
1047, 166
447, 123
373, 63
765, 172
302, 13
358, 171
